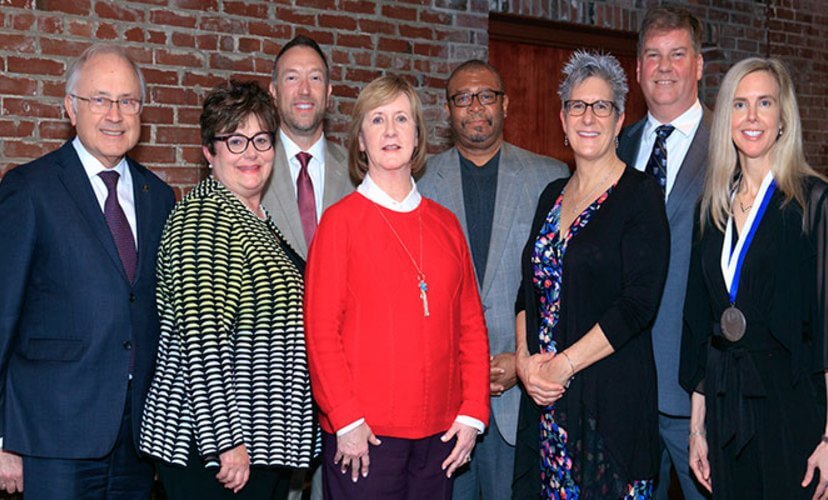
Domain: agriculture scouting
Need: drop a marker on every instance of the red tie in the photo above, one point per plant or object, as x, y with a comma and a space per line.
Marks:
305, 197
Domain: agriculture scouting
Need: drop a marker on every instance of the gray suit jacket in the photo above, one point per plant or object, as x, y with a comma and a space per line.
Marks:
522, 175
280, 196
672, 398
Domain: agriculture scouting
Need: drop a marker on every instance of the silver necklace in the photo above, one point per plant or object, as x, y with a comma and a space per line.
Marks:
591, 195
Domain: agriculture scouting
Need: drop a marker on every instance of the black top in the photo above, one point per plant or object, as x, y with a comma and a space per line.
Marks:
479, 191
614, 272
756, 388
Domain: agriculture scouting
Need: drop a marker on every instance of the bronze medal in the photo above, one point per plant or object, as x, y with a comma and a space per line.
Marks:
733, 324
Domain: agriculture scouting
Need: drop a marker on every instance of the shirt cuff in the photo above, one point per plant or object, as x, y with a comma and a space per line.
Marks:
472, 422
348, 428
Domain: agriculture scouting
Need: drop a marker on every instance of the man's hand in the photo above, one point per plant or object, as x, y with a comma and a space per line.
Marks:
502, 373
11, 472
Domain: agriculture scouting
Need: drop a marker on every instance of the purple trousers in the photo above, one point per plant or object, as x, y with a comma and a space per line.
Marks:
401, 469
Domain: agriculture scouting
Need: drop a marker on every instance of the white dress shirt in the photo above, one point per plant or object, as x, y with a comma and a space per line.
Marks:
369, 189
316, 166
126, 196
677, 144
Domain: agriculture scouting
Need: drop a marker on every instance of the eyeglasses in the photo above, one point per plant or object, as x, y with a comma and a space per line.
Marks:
237, 143
484, 97
101, 105
601, 109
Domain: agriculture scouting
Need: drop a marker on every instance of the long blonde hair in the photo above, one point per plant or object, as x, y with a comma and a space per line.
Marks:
788, 163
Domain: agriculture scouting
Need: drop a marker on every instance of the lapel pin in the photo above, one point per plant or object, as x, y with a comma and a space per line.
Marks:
146, 188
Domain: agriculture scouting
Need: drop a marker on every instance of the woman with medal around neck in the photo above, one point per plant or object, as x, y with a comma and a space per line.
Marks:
396, 338
753, 346
593, 272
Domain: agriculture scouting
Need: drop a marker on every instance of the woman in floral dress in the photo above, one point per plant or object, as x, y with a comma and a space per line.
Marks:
593, 273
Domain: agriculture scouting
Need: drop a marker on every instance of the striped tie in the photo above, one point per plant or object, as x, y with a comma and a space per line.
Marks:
657, 164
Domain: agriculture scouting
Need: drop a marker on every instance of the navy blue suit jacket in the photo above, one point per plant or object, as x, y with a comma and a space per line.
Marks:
68, 316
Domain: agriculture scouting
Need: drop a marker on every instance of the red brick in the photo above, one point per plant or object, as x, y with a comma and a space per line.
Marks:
207, 42
234, 63
177, 135
17, 43
404, 13
257, 11
183, 40
158, 37
106, 32
288, 15
363, 58
319, 4
173, 95
337, 22
147, 154
61, 130
15, 128
360, 75
409, 31
269, 29
249, 45
193, 154
321, 37
32, 66
227, 44
31, 108
81, 7
359, 41
394, 45
343, 91
358, 6
22, 21
79, 28
111, 10
168, 58
166, 17
28, 150
189, 116
209, 80
156, 115
54, 89
161, 77
134, 35
222, 24
140, 54
374, 26
200, 5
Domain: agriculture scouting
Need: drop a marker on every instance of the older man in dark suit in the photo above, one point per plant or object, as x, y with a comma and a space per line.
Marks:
78, 323
492, 187
671, 144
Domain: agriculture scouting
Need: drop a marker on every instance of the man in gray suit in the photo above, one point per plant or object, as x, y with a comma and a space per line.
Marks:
492, 187
676, 126
310, 173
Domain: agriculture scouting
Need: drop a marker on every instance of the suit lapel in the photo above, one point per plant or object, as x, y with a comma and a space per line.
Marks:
282, 197
508, 175
143, 208
630, 142
74, 179
336, 176
451, 187
691, 172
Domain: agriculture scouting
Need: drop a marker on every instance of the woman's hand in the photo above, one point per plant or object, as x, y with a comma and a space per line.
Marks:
461, 453
698, 460
530, 370
235, 468
818, 460
352, 450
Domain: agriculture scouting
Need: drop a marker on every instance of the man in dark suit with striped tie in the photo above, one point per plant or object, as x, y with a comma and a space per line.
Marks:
78, 323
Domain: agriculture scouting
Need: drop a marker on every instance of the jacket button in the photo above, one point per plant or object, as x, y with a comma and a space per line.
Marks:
127, 345
132, 297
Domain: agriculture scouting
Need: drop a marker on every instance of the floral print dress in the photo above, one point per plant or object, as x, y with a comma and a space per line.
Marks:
570, 470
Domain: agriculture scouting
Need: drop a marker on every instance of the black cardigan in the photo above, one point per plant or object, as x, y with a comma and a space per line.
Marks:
614, 272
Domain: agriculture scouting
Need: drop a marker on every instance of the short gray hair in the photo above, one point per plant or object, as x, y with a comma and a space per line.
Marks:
583, 65
73, 74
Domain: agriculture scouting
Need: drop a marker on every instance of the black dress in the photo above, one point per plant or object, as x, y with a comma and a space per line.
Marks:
613, 275
764, 395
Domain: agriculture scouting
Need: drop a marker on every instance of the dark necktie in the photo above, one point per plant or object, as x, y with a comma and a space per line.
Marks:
305, 197
118, 225
657, 164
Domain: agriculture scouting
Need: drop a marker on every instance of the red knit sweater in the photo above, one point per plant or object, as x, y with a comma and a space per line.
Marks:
372, 352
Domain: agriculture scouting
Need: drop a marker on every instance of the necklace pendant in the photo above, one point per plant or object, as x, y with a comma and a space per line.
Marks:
424, 294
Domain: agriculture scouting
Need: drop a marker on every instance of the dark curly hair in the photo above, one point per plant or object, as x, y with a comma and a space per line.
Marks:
228, 105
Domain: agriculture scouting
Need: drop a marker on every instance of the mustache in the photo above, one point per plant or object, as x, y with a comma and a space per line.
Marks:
488, 119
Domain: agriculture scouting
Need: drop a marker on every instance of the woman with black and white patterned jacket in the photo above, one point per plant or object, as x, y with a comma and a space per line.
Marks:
230, 408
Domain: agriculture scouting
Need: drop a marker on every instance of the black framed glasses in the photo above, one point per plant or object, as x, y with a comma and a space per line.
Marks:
237, 143
100, 105
600, 108
485, 97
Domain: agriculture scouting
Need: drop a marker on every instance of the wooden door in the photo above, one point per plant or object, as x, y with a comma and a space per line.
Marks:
530, 54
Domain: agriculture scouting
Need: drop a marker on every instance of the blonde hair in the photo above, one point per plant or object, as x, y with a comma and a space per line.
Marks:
788, 163
379, 92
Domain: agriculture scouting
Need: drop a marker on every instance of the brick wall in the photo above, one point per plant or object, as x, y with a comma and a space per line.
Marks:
187, 46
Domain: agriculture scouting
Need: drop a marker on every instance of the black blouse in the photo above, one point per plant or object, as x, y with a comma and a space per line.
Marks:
614, 272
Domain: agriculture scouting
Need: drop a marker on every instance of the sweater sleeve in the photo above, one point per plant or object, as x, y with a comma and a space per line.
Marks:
326, 289
474, 342
645, 247
198, 284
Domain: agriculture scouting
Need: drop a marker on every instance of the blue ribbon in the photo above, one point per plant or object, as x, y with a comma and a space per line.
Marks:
734, 287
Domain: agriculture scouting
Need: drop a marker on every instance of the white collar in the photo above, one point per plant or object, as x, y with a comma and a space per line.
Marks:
91, 165
369, 189
317, 150
685, 123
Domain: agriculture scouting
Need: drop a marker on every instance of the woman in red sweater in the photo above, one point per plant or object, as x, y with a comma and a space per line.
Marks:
396, 338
